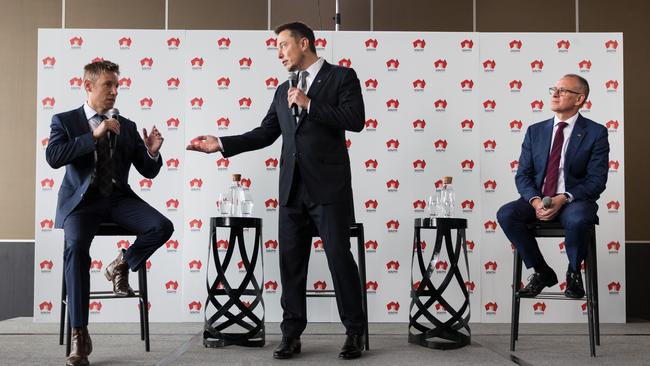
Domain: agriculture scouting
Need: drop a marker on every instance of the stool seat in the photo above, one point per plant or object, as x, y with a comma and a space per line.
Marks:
112, 229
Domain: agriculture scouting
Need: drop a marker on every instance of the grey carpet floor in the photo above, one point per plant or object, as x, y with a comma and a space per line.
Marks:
23, 342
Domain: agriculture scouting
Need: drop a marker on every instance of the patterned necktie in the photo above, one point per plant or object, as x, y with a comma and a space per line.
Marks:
553, 165
104, 166
302, 85
303, 81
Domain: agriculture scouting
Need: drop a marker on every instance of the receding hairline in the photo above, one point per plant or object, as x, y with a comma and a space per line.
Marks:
582, 82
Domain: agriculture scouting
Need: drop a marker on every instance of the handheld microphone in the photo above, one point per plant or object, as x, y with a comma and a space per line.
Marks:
546, 201
293, 82
112, 113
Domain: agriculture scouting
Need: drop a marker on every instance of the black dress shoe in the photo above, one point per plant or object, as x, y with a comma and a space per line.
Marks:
287, 348
352, 347
574, 288
537, 282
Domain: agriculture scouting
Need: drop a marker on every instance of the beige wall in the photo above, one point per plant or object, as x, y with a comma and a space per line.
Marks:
20, 19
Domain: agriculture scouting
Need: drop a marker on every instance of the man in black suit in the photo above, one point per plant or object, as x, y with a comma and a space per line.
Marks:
315, 180
97, 148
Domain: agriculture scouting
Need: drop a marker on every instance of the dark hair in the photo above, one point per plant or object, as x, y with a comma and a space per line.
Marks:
299, 30
94, 70
584, 84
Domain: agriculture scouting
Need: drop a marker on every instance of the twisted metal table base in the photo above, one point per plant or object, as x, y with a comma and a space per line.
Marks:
454, 332
234, 310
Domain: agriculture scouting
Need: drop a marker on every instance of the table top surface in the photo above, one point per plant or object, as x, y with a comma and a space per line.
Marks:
441, 222
232, 221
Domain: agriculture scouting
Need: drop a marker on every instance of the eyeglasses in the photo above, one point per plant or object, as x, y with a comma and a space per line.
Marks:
561, 91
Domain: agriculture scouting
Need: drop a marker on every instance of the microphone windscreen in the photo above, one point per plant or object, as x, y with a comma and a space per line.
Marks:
546, 201
293, 79
114, 113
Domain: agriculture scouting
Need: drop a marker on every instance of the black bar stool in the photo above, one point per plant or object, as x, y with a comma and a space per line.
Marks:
356, 231
110, 229
555, 229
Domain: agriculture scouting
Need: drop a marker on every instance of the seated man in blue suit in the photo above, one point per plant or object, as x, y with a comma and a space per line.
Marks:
564, 158
97, 147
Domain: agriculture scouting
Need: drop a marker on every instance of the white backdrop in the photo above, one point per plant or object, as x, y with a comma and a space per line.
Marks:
436, 104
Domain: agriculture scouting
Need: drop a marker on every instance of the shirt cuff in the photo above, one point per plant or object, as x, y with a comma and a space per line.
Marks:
308, 106
154, 158
220, 145
570, 197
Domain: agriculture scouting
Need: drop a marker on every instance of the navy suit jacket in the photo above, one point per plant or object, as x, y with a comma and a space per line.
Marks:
71, 145
585, 161
316, 145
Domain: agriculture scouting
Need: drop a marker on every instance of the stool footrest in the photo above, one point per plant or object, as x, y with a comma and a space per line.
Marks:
553, 296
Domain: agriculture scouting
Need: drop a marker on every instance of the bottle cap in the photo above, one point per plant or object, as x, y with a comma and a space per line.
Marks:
447, 180
236, 177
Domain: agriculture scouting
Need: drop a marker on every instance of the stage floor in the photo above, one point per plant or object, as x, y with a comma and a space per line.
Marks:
23, 342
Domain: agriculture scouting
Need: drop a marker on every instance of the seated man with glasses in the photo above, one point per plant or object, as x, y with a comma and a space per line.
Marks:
564, 158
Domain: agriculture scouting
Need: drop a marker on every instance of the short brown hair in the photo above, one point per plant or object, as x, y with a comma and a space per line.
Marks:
95, 69
299, 30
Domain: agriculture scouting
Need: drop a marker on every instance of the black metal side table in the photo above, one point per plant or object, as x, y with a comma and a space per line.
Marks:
425, 328
234, 311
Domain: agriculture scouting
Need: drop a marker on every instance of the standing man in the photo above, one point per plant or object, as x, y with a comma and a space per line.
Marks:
565, 159
97, 147
315, 180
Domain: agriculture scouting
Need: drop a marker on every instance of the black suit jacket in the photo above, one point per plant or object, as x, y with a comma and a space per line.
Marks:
71, 145
316, 145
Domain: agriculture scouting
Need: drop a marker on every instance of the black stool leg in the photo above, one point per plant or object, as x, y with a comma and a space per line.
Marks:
594, 285
516, 280
64, 301
68, 336
590, 309
141, 307
362, 275
145, 299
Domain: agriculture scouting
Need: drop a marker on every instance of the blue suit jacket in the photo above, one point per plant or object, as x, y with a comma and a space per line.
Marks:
71, 145
585, 162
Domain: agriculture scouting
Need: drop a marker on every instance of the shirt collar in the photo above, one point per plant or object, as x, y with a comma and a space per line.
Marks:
314, 68
570, 122
90, 112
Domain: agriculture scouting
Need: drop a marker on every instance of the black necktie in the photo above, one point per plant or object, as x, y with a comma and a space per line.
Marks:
104, 166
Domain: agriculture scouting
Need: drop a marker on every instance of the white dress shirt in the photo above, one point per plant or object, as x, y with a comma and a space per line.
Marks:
571, 122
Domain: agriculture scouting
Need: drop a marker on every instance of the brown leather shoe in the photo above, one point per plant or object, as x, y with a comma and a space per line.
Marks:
78, 355
118, 273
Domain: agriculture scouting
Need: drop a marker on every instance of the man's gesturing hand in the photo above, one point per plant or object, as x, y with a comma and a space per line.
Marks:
204, 143
153, 141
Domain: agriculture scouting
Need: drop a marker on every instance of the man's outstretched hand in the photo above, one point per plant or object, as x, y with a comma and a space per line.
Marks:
205, 143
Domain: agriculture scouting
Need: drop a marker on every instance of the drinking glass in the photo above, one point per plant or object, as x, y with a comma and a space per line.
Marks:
225, 204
